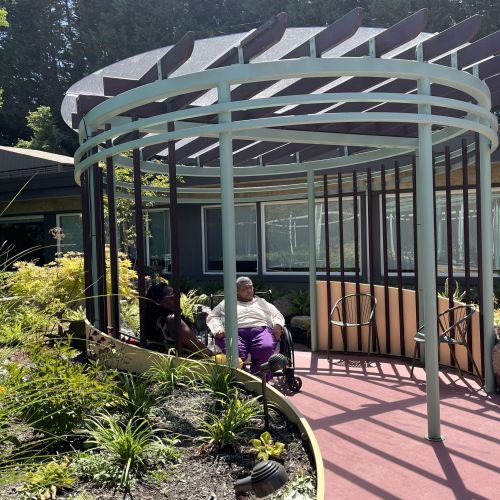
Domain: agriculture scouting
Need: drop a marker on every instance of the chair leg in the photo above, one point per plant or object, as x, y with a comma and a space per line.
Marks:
456, 362
377, 339
475, 366
369, 342
413, 361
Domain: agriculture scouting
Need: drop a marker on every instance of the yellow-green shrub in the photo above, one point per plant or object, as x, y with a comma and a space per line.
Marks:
59, 285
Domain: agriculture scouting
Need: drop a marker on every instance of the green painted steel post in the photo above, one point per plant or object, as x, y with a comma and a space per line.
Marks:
426, 253
312, 258
487, 262
228, 229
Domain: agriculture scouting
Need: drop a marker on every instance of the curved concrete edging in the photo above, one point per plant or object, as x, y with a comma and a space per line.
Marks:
118, 355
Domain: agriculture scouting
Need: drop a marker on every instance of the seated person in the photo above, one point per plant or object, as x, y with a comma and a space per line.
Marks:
260, 325
160, 322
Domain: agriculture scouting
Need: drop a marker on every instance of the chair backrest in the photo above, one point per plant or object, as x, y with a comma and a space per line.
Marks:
454, 323
354, 309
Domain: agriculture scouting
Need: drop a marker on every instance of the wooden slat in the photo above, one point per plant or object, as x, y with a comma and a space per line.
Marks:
385, 41
330, 37
172, 60
438, 44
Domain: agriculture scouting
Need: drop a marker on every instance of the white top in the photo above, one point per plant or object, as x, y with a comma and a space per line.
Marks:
256, 312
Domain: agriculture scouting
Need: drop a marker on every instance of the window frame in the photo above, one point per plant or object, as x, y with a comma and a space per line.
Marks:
317, 201
458, 274
204, 235
146, 213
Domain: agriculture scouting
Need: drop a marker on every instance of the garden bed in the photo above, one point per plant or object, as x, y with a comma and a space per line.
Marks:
72, 414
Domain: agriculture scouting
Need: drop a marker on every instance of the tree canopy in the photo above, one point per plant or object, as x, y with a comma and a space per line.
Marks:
46, 45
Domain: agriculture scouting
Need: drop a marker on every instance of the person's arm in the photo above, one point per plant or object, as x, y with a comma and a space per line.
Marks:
215, 320
277, 321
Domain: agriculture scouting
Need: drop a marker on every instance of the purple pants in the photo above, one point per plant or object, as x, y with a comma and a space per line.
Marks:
259, 341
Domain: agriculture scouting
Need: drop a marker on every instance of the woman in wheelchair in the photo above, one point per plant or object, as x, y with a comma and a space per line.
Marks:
160, 323
260, 325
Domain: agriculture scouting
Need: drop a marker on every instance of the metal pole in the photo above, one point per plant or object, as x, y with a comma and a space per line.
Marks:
174, 241
312, 259
487, 262
139, 230
426, 255
93, 244
113, 242
228, 230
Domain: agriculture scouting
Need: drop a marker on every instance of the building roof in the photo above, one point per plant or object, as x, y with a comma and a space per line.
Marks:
20, 162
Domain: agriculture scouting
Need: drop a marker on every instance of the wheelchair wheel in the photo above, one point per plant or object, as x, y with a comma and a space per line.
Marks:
295, 384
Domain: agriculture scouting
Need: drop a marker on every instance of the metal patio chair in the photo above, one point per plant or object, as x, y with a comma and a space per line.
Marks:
353, 310
453, 329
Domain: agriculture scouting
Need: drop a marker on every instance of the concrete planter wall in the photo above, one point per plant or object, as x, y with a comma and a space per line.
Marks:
128, 357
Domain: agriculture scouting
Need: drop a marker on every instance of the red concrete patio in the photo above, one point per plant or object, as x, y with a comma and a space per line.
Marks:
370, 424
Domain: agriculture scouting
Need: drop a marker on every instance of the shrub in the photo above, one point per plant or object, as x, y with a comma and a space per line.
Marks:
47, 480
265, 448
57, 393
301, 302
20, 324
58, 286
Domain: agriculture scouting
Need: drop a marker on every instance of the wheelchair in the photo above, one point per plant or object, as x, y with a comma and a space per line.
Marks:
290, 381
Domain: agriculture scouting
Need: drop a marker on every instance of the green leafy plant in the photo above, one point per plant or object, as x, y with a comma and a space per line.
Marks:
58, 287
299, 488
47, 480
96, 468
227, 427
129, 445
169, 373
189, 301
458, 296
301, 302
220, 380
129, 311
265, 448
135, 399
56, 393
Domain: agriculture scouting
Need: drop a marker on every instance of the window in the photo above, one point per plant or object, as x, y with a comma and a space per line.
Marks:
286, 236
245, 233
71, 225
457, 228
406, 228
158, 253
24, 237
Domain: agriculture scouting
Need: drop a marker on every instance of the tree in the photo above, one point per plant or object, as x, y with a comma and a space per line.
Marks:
44, 133
36, 63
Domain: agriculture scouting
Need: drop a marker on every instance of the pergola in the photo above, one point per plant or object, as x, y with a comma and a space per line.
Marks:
286, 105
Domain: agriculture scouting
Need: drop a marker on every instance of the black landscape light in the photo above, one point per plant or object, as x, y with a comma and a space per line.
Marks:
276, 363
267, 477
